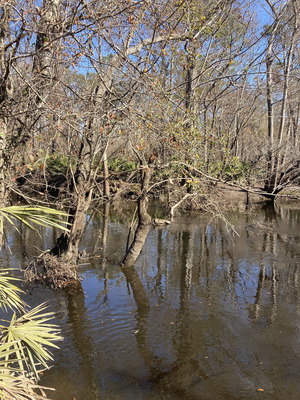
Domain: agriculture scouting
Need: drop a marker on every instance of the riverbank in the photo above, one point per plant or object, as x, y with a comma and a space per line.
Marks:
173, 194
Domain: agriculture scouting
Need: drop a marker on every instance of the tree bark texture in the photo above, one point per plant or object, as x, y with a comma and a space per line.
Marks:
144, 222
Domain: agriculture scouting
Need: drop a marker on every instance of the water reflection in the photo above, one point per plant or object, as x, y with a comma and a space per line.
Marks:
203, 315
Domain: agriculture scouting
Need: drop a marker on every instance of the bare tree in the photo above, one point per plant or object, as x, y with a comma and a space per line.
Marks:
282, 37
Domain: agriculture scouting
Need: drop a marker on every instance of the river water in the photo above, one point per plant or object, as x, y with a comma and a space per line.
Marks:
208, 313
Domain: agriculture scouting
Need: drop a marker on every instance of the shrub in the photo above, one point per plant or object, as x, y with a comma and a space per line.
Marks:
121, 165
59, 164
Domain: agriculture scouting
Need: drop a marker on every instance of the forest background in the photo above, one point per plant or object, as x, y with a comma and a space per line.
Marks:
102, 99
172, 98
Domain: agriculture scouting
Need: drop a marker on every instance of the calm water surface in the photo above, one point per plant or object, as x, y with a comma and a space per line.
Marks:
206, 314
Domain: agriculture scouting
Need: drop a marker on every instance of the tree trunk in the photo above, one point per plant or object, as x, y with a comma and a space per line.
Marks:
190, 80
144, 222
4, 83
269, 183
77, 228
2, 174
44, 64
82, 189
280, 156
106, 189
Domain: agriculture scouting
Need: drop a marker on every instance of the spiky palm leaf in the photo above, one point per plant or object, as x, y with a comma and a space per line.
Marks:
9, 293
30, 335
29, 215
25, 339
15, 384
23, 345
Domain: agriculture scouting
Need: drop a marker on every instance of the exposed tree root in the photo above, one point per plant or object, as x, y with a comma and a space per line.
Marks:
51, 271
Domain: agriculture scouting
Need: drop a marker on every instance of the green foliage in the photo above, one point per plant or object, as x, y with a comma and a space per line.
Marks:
59, 164
30, 334
24, 342
28, 215
25, 339
9, 294
230, 169
121, 165
236, 169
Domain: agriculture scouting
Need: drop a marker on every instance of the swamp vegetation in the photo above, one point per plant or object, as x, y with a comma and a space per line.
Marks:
204, 314
194, 104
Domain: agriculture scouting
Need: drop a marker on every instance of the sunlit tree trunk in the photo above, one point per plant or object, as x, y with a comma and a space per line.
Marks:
280, 159
270, 160
2, 173
45, 46
284, 33
4, 92
144, 221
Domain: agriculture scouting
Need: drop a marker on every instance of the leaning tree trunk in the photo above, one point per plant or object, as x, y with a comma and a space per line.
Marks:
144, 222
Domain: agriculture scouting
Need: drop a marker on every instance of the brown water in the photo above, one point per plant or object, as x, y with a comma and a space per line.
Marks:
206, 314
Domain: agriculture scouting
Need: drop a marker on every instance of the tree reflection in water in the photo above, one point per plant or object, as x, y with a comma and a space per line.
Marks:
208, 315
180, 376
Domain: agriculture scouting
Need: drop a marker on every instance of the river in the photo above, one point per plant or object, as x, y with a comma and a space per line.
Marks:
209, 313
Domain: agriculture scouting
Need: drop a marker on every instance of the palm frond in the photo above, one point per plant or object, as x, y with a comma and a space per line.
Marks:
9, 293
29, 336
24, 341
15, 384
38, 215
8, 359
20, 387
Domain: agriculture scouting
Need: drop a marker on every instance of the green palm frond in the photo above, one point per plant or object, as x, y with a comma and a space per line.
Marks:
30, 335
8, 359
9, 293
14, 382
24, 341
29, 215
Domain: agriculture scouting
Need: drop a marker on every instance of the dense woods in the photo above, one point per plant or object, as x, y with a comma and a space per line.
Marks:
91, 92
102, 99
94, 92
